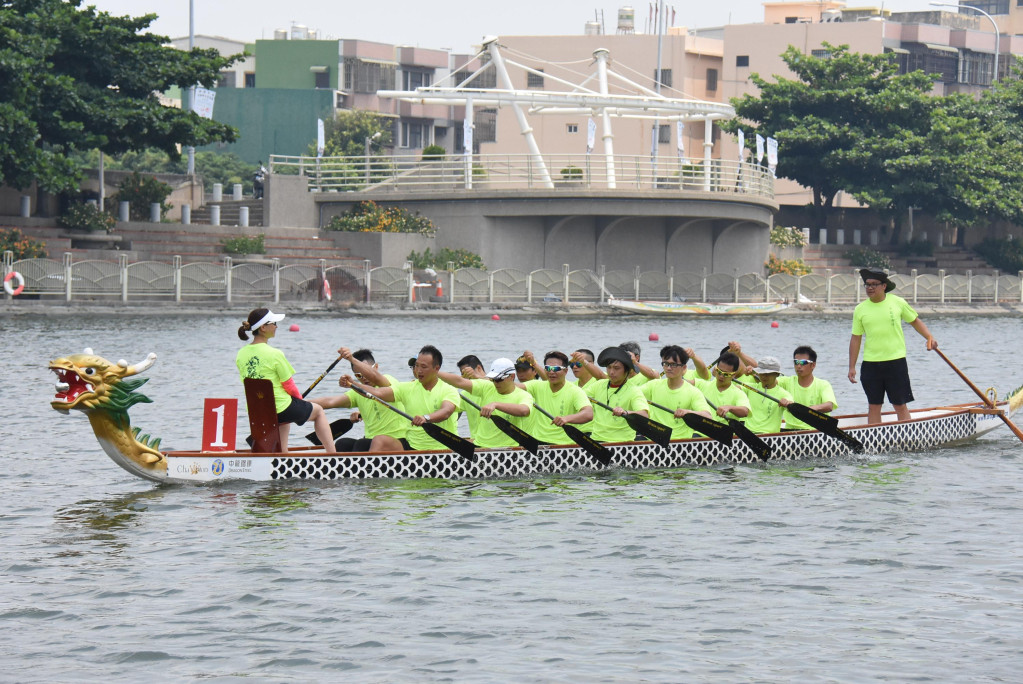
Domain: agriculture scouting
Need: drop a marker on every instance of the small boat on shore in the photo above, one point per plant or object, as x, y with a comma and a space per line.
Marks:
104, 391
697, 308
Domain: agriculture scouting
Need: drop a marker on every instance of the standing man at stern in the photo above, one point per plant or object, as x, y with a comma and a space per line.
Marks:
884, 369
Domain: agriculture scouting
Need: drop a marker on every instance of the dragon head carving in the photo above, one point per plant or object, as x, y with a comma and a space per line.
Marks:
104, 391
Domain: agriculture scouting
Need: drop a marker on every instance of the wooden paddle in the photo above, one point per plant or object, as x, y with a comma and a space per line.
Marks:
521, 437
702, 424
661, 434
589, 445
338, 423
817, 419
1012, 426
462, 447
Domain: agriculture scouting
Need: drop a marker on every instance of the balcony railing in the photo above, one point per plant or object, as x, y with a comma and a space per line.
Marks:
524, 172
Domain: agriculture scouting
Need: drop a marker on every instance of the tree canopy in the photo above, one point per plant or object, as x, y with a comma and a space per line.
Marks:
75, 79
345, 135
851, 122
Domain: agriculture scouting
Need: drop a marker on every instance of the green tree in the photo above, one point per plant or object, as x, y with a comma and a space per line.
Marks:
345, 135
829, 117
77, 79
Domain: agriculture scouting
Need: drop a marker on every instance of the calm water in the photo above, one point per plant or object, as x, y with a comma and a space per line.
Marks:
907, 566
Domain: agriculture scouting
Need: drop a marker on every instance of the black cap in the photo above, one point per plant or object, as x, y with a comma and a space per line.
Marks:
612, 354
412, 362
867, 274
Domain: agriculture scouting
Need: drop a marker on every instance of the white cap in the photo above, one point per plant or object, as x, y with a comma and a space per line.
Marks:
501, 369
270, 317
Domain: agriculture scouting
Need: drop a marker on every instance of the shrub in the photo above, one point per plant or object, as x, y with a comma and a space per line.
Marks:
1005, 255
462, 258
82, 216
433, 153
367, 217
788, 237
24, 247
244, 244
796, 267
864, 257
571, 173
916, 247
141, 191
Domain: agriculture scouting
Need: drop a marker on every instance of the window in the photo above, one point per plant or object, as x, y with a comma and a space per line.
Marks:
665, 77
712, 80
534, 80
226, 79
791, 20
991, 6
821, 54
250, 79
368, 77
664, 133
573, 128
322, 78
742, 60
485, 126
414, 135
416, 78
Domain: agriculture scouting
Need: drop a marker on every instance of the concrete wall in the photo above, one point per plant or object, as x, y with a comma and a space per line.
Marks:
383, 249
288, 202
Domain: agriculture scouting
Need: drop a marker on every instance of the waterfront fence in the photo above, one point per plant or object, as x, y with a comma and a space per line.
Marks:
269, 281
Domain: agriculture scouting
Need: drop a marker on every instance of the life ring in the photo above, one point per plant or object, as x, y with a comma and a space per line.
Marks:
11, 290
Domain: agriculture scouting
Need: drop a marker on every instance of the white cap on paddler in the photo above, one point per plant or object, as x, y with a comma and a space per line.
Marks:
768, 364
501, 369
270, 317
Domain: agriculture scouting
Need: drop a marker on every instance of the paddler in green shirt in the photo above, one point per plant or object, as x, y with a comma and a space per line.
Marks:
765, 414
673, 392
563, 400
497, 392
377, 418
427, 398
617, 392
804, 387
730, 400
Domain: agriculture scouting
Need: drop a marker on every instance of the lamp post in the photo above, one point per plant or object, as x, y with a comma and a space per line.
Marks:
369, 142
994, 25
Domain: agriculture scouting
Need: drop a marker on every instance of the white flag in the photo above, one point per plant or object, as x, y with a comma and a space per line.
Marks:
760, 148
320, 142
591, 134
202, 102
679, 131
772, 154
742, 145
467, 127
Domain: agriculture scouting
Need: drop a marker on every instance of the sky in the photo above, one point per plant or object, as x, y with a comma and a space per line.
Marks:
453, 24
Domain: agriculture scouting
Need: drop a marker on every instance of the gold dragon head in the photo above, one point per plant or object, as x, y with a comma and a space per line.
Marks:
87, 382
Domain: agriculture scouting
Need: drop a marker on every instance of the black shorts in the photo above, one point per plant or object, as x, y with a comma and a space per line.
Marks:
886, 377
350, 444
298, 412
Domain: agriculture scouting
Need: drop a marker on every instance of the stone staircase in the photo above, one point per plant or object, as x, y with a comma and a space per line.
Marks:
229, 212
950, 259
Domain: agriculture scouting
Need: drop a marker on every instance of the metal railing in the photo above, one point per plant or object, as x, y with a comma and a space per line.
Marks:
69, 280
523, 171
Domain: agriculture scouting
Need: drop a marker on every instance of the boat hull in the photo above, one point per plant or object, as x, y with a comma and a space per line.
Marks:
934, 428
697, 308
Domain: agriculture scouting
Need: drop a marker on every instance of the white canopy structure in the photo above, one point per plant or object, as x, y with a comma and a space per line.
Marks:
591, 96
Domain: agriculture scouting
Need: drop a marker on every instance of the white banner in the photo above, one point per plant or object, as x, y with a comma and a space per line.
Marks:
760, 148
467, 127
591, 134
202, 102
680, 139
742, 145
320, 142
772, 154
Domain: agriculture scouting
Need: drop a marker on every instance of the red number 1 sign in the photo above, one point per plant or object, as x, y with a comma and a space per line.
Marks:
219, 424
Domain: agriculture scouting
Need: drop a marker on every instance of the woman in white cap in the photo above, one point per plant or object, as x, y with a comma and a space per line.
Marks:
259, 360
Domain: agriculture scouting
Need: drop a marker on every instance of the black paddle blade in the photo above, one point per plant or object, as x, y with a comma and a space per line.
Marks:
811, 416
337, 428
462, 447
656, 432
709, 426
522, 438
847, 439
590, 445
759, 447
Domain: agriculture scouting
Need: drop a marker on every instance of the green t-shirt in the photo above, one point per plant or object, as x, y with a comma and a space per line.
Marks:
487, 434
880, 323
472, 416
420, 401
685, 397
566, 401
819, 392
733, 396
263, 362
766, 415
608, 427
638, 380
377, 419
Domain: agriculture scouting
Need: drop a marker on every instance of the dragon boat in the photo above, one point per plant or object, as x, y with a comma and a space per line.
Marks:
697, 308
105, 391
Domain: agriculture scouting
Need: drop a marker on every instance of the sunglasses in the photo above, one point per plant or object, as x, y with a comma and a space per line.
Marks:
671, 364
554, 369
872, 284
725, 374
801, 362
575, 364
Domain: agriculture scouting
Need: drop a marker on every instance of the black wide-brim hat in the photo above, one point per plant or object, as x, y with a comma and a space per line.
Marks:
612, 354
867, 274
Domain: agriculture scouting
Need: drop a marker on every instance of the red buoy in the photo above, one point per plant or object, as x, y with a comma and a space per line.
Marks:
495, 317
774, 324
654, 337
294, 327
